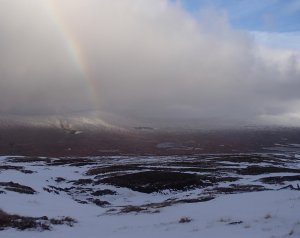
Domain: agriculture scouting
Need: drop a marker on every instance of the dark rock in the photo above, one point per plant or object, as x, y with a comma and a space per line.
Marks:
16, 187
156, 181
103, 192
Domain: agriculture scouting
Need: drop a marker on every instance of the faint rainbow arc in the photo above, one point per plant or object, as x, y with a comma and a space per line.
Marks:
75, 50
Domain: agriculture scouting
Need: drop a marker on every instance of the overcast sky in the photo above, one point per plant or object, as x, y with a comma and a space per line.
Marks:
151, 59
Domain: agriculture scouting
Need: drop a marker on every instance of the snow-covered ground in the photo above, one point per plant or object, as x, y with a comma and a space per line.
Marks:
267, 213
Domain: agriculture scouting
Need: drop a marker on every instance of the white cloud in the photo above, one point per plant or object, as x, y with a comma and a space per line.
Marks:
279, 40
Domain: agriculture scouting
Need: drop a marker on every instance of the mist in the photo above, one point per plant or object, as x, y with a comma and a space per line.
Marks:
140, 59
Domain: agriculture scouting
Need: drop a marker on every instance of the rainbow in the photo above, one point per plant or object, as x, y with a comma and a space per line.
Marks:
76, 52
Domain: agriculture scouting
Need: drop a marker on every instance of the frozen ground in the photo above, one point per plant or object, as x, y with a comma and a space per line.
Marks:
244, 195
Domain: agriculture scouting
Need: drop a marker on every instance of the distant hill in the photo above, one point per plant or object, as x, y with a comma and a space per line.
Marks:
91, 134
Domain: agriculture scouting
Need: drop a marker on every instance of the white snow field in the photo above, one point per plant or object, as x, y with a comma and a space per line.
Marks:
266, 209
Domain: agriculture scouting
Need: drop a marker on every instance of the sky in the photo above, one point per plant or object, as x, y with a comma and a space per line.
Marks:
255, 15
189, 59
274, 23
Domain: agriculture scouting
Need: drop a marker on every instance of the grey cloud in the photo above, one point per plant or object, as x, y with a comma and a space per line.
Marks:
146, 58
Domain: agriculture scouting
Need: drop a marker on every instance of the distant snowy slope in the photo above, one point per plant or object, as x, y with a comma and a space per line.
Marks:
91, 120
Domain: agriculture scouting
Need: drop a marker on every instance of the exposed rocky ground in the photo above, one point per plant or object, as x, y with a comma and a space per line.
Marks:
181, 179
32, 223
